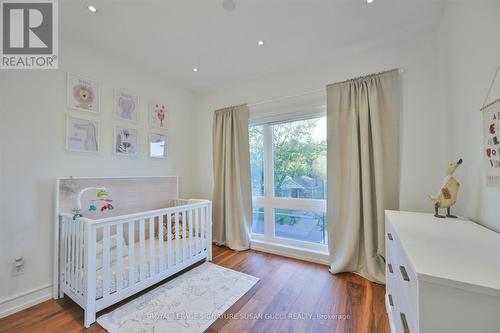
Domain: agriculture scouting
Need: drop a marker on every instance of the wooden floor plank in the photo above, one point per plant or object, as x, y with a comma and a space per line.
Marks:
286, 286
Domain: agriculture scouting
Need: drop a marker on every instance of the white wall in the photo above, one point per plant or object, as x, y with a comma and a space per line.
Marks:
471, 51
32, 133
421, 133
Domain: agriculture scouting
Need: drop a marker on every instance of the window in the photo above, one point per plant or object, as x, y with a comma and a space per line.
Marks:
288, 166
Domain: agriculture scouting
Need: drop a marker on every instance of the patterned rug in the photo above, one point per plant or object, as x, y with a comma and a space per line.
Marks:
189, 303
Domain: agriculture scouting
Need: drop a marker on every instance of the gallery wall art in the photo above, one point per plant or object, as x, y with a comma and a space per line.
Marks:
157, 145
82, 135
82, 94
126, 141
157, 113
126, 106
491, 130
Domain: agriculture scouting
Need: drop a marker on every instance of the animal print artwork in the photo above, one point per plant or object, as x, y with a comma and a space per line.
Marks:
126, 106
158, 115
83, 94
82, 135
126, 141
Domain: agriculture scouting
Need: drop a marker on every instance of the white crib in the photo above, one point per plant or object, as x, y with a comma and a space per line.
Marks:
105, 260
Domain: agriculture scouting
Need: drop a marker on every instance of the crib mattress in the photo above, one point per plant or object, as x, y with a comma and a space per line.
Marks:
136, 267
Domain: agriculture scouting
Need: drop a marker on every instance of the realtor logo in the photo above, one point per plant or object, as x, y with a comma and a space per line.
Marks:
28, 34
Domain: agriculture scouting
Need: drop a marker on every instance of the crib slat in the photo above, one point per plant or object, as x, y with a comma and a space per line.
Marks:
151, 246
197, 222
191, 232
119, 257
63, 250
184, 236
73, 248
131, 253
105, 262
203, 221
177, 242
142, 249
78, 250
169, 240
160, 244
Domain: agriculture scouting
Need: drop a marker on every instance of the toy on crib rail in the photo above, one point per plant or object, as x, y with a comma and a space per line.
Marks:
448, 194
102, 196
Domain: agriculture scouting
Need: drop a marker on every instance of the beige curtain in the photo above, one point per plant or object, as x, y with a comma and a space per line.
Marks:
363, 170
232, 197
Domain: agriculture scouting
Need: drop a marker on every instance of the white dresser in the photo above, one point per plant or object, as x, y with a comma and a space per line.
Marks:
442, 275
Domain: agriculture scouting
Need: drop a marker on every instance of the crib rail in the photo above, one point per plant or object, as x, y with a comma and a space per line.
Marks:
106, 260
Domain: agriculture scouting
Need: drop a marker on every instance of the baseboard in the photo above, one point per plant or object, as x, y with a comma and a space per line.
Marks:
291, 252
25, 300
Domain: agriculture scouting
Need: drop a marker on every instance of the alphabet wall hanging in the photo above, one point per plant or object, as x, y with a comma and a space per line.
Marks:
491, 137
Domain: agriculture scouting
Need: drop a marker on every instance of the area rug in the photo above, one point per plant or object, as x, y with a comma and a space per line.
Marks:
189, 303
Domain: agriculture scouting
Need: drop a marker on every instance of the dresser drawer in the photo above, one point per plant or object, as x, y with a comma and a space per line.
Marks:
402, 283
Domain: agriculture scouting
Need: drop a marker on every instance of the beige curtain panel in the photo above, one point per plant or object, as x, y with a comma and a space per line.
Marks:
363, 170
232, 196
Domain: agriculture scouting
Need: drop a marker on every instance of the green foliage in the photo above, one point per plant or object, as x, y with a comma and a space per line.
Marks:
297, 152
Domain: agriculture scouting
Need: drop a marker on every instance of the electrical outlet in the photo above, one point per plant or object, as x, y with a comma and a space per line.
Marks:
18, 266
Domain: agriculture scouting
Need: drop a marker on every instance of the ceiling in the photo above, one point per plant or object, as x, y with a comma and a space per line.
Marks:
172, 37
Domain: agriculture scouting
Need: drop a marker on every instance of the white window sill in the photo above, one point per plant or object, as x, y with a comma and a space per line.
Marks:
319, 257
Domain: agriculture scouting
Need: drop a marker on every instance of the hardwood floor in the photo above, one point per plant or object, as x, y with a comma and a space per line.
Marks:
287, 287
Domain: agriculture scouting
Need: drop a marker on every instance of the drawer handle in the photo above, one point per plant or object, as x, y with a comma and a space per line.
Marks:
389, 235
390, 300
404, 273
406, 329
390, 268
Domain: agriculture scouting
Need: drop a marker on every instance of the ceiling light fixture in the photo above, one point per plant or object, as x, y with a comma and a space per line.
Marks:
369, 1
228, 5
195, 69
92, 9
260, 43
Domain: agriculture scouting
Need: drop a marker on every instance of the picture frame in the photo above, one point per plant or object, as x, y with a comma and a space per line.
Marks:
82, 135
125, 142
158, 145
126, 106
157, 114
82, 94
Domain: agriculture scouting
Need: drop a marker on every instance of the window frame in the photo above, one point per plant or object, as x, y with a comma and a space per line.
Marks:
270, 202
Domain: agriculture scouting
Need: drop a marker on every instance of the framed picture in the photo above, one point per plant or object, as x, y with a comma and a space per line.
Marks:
125, 143
157, 113
126, 106
82, 135
82, 94
157, 145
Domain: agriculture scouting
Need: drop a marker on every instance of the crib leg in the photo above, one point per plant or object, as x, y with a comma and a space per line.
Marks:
89, 318
61, 293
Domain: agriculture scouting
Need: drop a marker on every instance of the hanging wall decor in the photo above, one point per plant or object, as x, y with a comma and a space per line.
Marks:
82, 94
126, 106
82, 135
491, 136
157, 115
126, 142
491, 128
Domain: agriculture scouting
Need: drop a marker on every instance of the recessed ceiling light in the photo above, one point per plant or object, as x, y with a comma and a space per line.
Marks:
370, 1
260, 43
195, 69
228, 5
92, 9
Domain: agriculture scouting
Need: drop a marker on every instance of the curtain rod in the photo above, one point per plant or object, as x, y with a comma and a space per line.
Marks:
276, 99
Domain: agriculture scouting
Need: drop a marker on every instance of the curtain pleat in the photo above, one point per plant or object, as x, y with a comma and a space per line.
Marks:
363, 118
232, 197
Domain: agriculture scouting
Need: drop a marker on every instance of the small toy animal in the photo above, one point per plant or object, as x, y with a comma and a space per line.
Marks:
107, 206
448, 193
